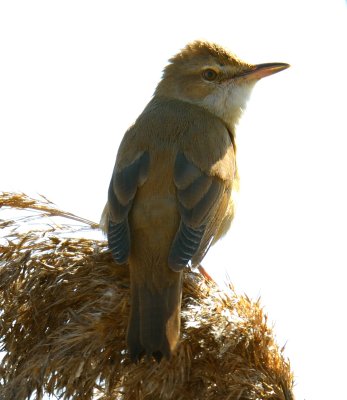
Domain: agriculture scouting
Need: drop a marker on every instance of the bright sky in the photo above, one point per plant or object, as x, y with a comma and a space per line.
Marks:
75, 74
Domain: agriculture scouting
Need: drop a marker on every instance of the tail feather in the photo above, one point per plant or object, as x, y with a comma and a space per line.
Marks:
134, 345
154, 324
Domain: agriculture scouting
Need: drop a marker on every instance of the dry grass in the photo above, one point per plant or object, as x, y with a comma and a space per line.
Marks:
64, 307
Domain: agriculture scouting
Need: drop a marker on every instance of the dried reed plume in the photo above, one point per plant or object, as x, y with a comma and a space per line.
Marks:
64, 307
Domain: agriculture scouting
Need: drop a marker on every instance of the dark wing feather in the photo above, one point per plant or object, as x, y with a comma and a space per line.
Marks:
121, 193
119, 241
197, 195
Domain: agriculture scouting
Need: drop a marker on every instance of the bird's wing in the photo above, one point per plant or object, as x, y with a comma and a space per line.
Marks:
122, 190
202, 201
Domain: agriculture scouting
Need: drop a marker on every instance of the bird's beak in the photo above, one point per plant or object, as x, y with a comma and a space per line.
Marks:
259, 71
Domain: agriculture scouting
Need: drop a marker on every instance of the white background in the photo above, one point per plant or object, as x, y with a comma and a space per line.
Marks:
75, 74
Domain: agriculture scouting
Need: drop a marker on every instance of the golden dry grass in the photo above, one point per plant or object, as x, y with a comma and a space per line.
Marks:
64, 307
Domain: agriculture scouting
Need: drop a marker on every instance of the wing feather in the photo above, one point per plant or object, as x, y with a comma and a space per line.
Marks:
198, 197
121, 193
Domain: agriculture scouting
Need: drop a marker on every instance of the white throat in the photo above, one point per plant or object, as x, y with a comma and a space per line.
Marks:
228, 101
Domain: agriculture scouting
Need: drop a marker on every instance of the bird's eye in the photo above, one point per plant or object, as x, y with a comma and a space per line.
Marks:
209, 74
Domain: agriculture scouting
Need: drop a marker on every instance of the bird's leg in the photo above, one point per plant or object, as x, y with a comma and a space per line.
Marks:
205, 274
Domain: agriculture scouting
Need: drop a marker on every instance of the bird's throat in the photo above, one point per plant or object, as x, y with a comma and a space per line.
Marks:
228, 101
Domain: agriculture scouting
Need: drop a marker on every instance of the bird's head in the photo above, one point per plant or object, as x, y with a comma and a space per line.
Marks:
207, 75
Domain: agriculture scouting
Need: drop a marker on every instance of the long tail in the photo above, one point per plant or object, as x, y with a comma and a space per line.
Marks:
154, 323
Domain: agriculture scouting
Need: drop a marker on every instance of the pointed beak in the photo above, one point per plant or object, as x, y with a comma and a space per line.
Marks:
259, 71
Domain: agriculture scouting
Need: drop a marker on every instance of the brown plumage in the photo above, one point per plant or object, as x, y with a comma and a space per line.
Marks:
170, 192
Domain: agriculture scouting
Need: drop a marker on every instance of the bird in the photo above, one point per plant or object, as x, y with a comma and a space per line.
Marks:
170, 194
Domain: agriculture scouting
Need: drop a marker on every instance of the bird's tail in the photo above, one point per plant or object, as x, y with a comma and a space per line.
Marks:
154, 323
